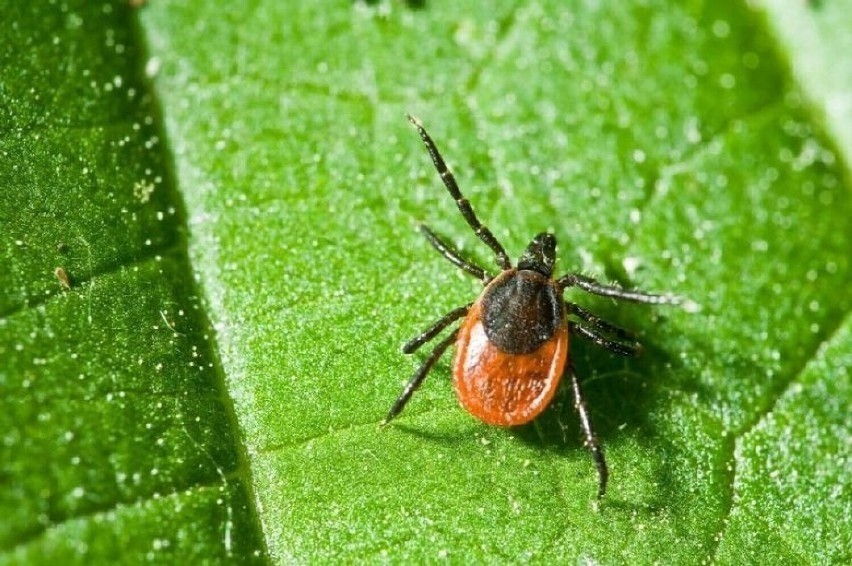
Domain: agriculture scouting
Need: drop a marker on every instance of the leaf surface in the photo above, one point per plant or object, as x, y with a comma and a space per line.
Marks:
667, 148
688, 148
117, 439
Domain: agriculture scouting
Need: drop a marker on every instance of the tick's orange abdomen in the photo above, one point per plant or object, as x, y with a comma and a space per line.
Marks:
500, 388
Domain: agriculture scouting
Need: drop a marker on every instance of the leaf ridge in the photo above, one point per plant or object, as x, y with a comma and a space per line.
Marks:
104, 510
773, 398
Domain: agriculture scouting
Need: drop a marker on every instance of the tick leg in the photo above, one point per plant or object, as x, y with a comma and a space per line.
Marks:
625, 345
412, 345
419, 376
453, 256
611, 345
466, 210
589, 285
591, 439
598, 323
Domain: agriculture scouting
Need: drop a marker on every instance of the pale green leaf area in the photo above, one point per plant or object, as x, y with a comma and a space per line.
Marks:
665, 144
816, 32
669, 146
117, 442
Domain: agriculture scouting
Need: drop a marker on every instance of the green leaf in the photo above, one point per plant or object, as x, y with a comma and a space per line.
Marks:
668, 146
117, 440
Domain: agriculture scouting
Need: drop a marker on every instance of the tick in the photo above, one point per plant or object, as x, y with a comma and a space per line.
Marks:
511, 348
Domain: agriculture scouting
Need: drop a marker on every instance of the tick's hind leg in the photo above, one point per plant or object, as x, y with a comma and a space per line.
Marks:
595, 328
615, 346
591, 440
419, 376
453, 256
589, 285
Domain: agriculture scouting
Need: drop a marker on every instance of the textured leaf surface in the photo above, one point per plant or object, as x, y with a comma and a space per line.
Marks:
115, 438
667, 145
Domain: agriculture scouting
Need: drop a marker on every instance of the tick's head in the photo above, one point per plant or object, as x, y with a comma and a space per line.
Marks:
540, 255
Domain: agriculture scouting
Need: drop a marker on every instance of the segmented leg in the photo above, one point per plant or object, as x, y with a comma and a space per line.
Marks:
596, 288
591, 440
598, 322
412, 345
598, 325
612, 345
463, 204
419, 376
453, 256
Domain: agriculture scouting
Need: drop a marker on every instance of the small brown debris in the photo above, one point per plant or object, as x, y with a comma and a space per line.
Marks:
64, 280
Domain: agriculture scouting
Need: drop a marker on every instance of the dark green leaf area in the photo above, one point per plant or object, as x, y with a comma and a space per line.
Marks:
75, 65
166, 529
116, 443
93, 433
81, 167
